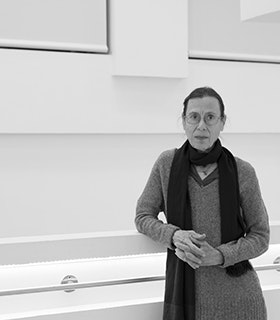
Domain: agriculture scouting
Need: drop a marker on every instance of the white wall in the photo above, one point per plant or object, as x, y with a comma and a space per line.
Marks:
76, 93
60, 184
77, 142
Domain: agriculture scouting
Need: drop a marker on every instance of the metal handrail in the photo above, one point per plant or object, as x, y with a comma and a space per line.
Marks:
82, 285
265, 267
94, 284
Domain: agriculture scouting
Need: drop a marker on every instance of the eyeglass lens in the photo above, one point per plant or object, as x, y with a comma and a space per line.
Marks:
209, 118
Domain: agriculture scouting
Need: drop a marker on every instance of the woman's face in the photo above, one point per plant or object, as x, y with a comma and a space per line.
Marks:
202, 135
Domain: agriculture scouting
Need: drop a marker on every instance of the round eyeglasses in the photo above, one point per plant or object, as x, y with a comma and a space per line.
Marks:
210, 119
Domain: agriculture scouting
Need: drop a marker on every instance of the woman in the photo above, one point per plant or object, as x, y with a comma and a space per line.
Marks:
216, 220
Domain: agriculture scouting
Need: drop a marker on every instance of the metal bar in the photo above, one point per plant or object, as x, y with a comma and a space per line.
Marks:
83, 285
268, 267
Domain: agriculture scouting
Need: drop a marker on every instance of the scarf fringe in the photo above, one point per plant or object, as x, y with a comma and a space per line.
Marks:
239, 268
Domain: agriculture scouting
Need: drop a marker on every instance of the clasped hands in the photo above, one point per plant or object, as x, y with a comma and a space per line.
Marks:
192, 248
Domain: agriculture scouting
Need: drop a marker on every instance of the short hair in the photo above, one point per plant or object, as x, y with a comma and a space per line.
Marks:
201, 93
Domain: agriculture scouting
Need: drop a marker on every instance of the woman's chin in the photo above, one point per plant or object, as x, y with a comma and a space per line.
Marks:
202, 147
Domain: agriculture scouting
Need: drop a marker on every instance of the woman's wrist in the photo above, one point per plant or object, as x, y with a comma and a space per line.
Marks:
174, 237
219, 258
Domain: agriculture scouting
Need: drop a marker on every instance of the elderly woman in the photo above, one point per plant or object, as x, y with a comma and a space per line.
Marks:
216, 220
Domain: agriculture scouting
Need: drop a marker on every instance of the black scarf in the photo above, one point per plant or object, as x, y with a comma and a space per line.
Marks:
179, 302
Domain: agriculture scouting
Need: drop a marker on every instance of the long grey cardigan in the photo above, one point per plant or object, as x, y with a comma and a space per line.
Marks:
218, 296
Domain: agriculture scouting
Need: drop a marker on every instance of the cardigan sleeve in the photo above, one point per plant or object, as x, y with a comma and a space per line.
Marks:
152, 202
255, 215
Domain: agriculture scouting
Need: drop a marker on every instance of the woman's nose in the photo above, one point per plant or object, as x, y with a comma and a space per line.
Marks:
201, 125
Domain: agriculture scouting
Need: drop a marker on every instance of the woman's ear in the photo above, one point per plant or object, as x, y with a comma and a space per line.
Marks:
184, 122
224, 119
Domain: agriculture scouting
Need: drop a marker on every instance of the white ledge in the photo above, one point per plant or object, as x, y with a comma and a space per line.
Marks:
26, 250
232, 56
95, 245
52, 45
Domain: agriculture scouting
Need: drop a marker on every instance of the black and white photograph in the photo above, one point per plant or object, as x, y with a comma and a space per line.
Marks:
139, 159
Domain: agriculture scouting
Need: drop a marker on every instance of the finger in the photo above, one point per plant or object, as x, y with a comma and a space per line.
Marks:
196, 251
188, 256
198, 236
191, 257
198, 242
180, 254
191, 264
181, 246
190, 247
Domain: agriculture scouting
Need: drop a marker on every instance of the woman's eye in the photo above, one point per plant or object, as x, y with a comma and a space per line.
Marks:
194, 116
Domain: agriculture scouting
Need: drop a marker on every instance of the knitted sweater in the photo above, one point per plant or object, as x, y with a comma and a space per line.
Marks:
218, 296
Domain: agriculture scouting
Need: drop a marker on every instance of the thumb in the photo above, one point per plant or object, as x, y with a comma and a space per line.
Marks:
198, 236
